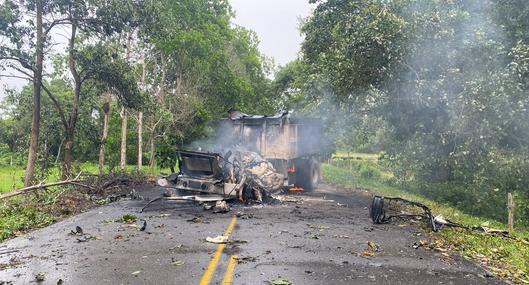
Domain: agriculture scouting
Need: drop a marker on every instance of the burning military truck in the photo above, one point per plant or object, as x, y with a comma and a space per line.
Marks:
256, 156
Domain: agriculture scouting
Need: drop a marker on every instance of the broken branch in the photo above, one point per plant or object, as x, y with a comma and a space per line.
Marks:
28, 189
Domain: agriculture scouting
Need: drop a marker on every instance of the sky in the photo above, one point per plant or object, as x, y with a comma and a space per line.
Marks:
276, 23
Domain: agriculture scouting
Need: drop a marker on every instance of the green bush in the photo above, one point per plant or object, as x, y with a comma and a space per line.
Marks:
20, 216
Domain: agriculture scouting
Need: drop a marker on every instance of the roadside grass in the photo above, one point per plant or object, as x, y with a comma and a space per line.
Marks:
11, 178
506, 258
24, 213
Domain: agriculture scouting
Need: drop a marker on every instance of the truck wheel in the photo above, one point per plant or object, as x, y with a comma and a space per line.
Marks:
308, 174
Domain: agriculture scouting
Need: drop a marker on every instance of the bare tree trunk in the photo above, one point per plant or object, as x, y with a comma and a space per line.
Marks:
72, 120
124, 118
140, 140
106, 112
140, 121
123, 156
151, 160
68, 158
37, 83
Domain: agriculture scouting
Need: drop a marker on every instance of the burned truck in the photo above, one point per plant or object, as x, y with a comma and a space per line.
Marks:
253, 156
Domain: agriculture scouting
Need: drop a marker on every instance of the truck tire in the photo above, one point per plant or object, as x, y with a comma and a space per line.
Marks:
308, 174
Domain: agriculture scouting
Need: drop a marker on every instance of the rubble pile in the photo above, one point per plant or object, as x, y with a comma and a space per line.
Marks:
259, 175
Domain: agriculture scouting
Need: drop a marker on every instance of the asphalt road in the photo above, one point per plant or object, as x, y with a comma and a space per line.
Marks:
316, 238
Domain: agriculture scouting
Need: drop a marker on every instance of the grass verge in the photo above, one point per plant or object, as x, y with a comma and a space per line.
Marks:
43, 207
506, 258
11, 178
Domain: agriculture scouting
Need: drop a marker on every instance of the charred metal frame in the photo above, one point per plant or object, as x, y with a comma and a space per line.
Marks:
381, 203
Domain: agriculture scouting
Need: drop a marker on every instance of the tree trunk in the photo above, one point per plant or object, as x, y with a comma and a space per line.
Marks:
72, 120
123, 156
140, 121
106, 112
124, 118
140, 140
151, 160
67, 163
37, 82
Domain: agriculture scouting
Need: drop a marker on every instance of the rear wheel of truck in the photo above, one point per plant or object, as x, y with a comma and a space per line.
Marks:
308, 174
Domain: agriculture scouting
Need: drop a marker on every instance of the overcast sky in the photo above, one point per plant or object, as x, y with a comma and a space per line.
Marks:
276, 23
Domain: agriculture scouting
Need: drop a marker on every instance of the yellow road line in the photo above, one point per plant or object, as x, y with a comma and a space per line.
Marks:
228, 276
206, 278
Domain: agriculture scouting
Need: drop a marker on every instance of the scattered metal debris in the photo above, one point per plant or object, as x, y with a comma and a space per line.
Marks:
383, 209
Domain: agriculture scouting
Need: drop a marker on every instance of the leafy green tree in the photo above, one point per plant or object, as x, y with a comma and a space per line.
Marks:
22, 50
446, 79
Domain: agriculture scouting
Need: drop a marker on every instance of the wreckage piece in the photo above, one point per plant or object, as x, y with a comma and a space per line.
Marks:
261, 179
194, 198
383, 209
295, 146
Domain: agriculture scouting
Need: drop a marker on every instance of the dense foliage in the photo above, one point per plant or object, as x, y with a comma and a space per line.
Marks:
180, 64
439, 86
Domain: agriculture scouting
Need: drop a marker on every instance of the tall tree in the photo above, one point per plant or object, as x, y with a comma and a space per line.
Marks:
104, 134
124, 116
86, 21
25, 54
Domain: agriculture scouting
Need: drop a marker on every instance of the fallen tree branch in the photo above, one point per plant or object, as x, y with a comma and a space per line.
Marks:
74, 181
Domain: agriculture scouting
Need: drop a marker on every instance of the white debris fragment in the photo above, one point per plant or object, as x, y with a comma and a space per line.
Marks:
218, 239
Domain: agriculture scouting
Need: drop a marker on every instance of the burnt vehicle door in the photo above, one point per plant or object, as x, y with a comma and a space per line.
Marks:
197, 164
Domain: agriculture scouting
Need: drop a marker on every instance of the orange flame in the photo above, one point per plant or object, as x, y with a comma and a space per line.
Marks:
296, 189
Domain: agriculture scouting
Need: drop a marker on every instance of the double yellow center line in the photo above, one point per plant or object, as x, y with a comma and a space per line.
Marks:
228, 276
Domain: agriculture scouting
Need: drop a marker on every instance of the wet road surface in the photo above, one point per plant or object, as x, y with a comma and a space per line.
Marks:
316, 238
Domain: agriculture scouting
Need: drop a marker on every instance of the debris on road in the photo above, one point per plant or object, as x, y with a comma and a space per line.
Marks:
221, 207
318, 227
40, 276
418, 244
144, 226
234, 241
129, 218
81, 235
198, 220
280, 281
217, 239
246, 259
243, 216
176, 262
136, 273
383, 209
373, 246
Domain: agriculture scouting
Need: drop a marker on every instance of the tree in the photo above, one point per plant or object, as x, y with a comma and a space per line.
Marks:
18, 52
446, 80
89, 18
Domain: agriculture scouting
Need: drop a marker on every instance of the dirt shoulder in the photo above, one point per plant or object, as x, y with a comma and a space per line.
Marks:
320, 238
